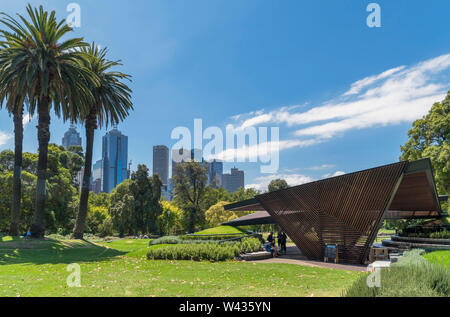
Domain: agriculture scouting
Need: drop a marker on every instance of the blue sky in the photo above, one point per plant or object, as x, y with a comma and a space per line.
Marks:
342, 94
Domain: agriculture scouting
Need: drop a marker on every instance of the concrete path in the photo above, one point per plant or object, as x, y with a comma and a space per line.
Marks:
294, 256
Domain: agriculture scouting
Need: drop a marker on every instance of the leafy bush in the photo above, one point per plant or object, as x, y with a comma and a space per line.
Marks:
411, 276
440, 235
166, 240
106, 228
210, 237
205, 251
432, 233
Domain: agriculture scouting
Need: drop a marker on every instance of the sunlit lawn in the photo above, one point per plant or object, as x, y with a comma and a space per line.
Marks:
120, 268
439, 257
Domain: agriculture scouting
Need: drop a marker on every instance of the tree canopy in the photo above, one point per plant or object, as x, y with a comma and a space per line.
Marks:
429, 137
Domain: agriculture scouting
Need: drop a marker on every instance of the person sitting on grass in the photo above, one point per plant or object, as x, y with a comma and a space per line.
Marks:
27, 234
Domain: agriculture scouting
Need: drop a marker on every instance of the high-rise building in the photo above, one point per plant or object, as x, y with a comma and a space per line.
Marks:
185, 155
161, 162
233, 181
71, 137
215, 172
97, 176
115, 159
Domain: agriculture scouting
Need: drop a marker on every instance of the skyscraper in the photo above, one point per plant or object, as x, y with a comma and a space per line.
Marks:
115, 159
97, 176
161, 162
215, 172
71, 137
233, 181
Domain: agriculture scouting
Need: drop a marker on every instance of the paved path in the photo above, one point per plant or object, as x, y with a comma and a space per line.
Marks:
294, 256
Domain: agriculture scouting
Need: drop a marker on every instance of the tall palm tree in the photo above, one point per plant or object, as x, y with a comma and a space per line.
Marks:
112, 103
50, 72
14, 105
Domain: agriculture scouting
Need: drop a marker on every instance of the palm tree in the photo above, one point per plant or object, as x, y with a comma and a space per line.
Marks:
50, 73
112, 103
14, 105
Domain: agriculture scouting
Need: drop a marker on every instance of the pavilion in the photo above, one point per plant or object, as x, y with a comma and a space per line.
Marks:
346, 210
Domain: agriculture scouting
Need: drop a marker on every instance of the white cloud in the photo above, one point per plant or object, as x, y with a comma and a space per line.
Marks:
292, 179
337, 173
320, 167
4, 137
365, 82
27, 118
401, 94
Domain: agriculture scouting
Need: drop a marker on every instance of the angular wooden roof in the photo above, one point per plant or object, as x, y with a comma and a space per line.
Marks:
346, 210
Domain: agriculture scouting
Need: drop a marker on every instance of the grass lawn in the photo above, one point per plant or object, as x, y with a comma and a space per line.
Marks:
221, 230
440, 257
120, 268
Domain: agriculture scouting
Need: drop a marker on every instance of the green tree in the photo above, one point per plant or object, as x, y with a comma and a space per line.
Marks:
277, 184
27, 193
61, 199
244, 194
429, 137
189, 181
169, 221
121, 208
52, 75
214, 195
111, 104
216, 214
14, 104
141, 188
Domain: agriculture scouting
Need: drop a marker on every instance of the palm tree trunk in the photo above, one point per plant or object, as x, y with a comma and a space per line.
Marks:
91, 125
37, 227
17, 183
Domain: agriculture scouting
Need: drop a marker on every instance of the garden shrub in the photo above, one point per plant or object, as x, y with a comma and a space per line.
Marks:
210, 237
411, 276
166, 240
205, 251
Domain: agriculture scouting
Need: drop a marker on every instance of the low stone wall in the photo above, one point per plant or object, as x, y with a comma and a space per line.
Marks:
421, 240
261, 255
410, 245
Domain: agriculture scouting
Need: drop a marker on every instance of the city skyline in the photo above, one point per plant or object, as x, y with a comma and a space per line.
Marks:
343, 94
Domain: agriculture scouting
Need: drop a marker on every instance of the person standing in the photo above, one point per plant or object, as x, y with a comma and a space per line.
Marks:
283, 242
270, 238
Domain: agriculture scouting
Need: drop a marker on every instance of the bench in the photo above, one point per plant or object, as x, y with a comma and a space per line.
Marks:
260, 255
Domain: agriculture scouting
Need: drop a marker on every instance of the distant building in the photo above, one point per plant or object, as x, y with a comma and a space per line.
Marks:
79, 178
97, 186
185, 155
215, 172
233, 181
161, 162
115, 159
97, 176
71, 137
167, 190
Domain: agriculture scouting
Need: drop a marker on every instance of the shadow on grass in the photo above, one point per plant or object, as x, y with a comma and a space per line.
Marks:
50, 251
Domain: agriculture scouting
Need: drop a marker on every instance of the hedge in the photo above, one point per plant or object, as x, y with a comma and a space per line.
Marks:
205, 251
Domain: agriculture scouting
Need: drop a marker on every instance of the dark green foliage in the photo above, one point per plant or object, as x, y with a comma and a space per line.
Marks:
61, 199
134, 204
277, 184
205, 251
212, 237
166, 240
146, 191
430, 137
189, 181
